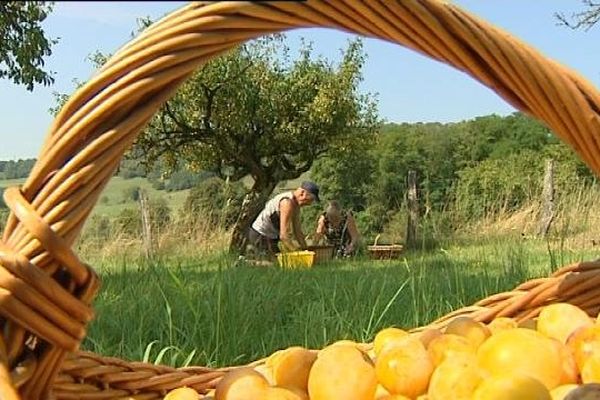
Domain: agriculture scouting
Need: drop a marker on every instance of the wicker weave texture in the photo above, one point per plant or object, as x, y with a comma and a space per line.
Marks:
46, 290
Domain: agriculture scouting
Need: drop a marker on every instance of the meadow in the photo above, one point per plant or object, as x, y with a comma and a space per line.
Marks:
194, 304
216, 310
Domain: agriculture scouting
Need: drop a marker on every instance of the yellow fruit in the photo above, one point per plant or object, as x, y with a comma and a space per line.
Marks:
559, 320
584, 342
455, 378
266, 372
428, 335
381, 392
570, 372
405, 368
291, 369
343, 343
560, 392
502, 324
387, 336
513, 387
475, 332
342, 372
448, 345
279, 393
590, 372
182, 393
528, 324
241, 384
395, 397
521, 351
273, 357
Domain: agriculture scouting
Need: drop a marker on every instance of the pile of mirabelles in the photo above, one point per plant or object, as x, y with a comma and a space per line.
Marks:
553, 357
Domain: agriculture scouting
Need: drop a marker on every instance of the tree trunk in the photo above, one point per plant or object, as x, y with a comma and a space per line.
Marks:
252, 206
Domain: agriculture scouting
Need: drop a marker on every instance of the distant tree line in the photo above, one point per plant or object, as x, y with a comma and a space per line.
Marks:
16, 169
178, 179
467, 169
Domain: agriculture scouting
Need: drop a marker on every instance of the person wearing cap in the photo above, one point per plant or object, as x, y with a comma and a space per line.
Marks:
339, 229
280, 219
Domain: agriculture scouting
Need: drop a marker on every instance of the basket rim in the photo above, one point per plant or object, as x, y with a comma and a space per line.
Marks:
92, 131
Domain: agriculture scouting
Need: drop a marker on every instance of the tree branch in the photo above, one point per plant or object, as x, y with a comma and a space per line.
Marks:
583, 19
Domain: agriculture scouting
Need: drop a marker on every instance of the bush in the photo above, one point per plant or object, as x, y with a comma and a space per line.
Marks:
506, 184
98, 228
129, 220
215, 200
131, 193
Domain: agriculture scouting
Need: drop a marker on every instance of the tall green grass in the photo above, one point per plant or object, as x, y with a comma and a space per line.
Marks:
218, 311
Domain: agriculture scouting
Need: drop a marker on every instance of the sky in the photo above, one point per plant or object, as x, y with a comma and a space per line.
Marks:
409, 87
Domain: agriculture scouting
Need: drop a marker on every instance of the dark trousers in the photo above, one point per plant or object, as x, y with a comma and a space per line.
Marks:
262, 245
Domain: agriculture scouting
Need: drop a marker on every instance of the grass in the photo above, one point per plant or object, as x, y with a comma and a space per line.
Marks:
207, 311
4, 183
114, 198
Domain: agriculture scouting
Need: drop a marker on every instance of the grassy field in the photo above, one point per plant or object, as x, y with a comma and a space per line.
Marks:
114, 198
4, 183
209, 311
199, 306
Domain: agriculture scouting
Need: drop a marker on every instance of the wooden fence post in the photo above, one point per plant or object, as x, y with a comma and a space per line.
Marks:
547, 214
413, 210
146, 224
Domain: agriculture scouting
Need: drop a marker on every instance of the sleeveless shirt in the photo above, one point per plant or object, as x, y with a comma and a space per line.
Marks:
267, 222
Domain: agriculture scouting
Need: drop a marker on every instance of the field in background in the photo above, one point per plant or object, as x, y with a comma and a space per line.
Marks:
115, 196
4, 183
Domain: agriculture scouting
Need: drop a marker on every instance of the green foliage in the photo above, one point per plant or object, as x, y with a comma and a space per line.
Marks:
473, 167
346, 175
185, 179
215, 201
131, 193
99, 228
16, 169
256, 112
24, 43
507, 183
129, 169
496, 184
129, 220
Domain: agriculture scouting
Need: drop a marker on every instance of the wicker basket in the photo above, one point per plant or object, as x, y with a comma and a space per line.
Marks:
384, 251
47, 291
322, 253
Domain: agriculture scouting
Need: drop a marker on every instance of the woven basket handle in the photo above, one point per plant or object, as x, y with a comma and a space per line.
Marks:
88, 138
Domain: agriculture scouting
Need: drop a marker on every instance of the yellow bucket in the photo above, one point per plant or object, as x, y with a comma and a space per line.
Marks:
296, 259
